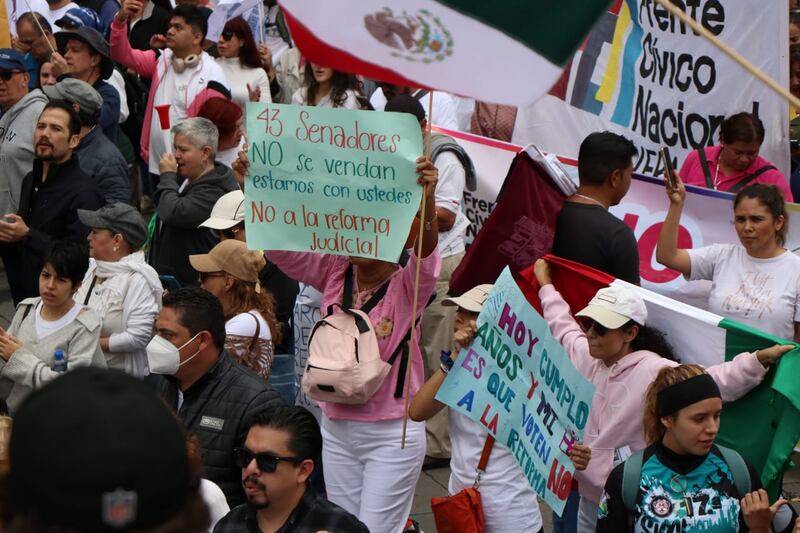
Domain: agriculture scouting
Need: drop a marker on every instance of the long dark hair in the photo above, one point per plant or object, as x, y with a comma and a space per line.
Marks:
340, 83
652, 340
248, 53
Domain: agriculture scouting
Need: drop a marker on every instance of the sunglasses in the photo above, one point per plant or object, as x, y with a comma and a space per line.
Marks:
205, 275
230, 233
6, 75
227, 35
266, 462
587, 323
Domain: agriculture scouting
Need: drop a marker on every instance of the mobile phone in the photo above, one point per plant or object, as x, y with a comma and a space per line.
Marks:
673, 183
170, 283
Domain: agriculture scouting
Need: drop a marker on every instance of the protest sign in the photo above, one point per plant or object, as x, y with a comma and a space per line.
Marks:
332, 181
518, 382
644, 74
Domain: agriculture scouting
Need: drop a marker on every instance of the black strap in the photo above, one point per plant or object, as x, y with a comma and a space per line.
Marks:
405, 349
89, 292
253, 341
701, 152
420, 93
347, 297
748, 179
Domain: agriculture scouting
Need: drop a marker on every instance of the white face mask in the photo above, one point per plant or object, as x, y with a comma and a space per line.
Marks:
164, 358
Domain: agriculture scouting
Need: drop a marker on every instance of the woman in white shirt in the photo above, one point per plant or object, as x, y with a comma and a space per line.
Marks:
241, 62
756, 282
120, 286
325, 87
230, 272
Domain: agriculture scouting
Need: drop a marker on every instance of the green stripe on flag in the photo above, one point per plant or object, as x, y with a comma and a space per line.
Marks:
552, 29
764, 425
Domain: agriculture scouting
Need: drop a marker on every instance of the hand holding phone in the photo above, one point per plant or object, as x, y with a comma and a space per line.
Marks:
669, 172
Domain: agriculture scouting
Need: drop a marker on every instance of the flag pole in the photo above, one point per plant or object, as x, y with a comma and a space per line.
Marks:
36, 20
730, 52
415, 298
261, 22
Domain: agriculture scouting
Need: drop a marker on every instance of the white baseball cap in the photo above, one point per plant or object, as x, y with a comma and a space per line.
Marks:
227, 212
472, 300
613, 307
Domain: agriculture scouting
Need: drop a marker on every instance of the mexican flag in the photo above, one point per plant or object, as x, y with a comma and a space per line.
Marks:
764, 425
504, 52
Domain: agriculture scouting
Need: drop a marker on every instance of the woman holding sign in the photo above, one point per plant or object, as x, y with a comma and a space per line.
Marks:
509, 503
756, 282
366, 471
682, 480
615, 350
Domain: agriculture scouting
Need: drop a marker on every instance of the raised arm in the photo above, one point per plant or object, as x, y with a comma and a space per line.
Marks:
143, 62
667, 251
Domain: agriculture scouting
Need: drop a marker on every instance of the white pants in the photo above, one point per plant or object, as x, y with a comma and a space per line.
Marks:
587, 516
366, 472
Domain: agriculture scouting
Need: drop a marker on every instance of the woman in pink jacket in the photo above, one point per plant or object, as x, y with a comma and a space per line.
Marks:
614, 349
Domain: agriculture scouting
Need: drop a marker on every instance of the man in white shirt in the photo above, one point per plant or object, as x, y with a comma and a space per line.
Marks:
52, 10
438, 321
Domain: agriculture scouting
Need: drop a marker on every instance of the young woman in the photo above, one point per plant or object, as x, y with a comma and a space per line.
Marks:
120, 286
509, 502
230, 272
685, 482
51, 323
366, 471
620, 355
734, 163
46, 76
325, 87
241, 62
757, 281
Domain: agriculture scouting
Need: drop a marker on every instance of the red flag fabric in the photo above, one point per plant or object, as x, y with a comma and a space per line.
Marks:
519, 230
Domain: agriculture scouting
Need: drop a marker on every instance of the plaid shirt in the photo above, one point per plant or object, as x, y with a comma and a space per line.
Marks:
311, 515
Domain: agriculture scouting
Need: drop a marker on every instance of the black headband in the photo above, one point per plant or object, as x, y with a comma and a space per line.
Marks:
695, 389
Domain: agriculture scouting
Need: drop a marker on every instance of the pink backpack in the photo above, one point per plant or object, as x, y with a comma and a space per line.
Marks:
344, 362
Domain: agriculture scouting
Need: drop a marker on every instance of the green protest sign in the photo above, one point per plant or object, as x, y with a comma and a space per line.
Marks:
332, 181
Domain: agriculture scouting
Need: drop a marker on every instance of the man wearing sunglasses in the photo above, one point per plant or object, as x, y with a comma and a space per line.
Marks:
277, 461
21, 109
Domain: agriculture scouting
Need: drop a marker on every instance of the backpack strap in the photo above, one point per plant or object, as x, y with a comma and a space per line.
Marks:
750, 178
701, 153
631, 475
739, 471
347, 297
405, 349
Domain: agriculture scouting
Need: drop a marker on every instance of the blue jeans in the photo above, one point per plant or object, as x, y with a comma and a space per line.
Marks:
281, 376
568, 523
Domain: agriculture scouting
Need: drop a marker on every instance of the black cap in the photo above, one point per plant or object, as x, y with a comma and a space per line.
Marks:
95, 41
97, 450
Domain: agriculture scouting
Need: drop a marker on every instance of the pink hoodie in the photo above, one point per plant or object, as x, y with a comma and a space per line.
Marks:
615, 418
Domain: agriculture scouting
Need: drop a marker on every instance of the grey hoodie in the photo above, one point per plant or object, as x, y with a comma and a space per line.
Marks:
16, 147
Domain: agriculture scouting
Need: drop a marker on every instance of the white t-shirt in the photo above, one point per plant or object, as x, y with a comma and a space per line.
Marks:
43, 8
444, 107
509, 502
244, 325
48, 327
215, 500
449, 195
763, 293
171, 91
350, 102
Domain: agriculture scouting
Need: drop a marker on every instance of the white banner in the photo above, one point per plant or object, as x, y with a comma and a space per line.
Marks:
645, 75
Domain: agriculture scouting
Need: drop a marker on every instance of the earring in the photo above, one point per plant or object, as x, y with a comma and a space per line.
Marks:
115, 248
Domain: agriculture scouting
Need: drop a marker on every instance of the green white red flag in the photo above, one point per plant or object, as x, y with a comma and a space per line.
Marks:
505, 51
764, 425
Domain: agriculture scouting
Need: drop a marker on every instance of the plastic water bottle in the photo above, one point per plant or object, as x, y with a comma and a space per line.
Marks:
59, 361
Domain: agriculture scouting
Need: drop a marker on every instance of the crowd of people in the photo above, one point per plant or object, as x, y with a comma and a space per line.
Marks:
145, 326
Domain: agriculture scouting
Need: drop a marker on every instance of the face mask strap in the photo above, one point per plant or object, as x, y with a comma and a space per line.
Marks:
185, 344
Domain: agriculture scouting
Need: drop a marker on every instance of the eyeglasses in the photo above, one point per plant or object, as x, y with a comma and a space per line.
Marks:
6, 75
227, 35
587, 323
205, 275
230, 233
266, 462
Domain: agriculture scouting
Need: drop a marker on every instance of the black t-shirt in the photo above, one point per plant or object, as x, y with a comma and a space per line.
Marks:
590, 235
676, 493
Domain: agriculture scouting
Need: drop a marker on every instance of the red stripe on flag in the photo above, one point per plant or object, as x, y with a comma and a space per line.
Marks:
320, 52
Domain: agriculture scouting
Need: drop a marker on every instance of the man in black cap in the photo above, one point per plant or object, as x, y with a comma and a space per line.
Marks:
110, 457
51, 195
86, 57
213, 395
98, 157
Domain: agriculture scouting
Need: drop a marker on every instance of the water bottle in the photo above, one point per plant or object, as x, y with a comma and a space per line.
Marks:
59, 361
